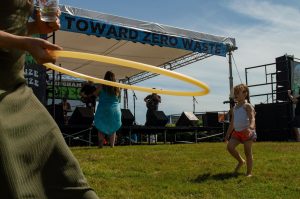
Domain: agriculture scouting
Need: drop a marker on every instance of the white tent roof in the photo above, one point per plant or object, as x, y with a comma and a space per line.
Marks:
150, 43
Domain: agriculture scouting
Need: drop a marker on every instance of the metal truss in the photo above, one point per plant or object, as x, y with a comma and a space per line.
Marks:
172, 65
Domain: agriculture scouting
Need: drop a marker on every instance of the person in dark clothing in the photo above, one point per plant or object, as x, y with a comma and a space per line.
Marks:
152, 102
296, 120
66, 106
88, 95
35, 161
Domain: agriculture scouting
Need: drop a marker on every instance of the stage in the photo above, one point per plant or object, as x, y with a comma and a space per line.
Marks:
84, 135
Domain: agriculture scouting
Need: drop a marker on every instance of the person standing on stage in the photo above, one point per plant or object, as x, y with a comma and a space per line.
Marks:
152, 102
296, 120
88, 96
66, 108
108, 114
35, 161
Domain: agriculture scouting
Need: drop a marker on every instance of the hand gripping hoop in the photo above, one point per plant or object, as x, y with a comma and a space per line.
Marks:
129, 64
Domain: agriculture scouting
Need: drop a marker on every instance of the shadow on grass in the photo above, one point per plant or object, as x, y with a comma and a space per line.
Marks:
220, 176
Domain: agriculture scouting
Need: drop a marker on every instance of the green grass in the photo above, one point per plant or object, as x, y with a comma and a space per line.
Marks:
202, 170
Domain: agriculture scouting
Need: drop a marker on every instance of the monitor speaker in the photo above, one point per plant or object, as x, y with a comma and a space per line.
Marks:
157, 118
82, 116
57, 113
273, 121
283, 77
127, 117
211, 119
187, 119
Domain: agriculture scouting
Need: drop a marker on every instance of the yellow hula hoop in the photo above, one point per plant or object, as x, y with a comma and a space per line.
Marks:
129, 64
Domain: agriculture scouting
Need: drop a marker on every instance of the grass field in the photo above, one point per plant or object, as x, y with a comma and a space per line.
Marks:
202, 170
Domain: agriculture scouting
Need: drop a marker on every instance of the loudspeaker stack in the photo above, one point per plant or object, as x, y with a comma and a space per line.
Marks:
127, 117
273, 121
157, 118
82, 116
187, 119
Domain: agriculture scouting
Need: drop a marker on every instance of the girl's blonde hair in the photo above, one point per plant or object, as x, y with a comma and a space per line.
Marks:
243, 88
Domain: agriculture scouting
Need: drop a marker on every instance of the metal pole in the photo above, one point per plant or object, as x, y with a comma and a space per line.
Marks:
194, 104
134, 98
230, 71
125, 105
230, 77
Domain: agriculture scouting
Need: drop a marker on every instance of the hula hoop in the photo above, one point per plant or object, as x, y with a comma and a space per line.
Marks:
129, 64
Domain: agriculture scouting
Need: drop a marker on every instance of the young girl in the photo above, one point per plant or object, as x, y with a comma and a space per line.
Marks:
242, 128
108, 114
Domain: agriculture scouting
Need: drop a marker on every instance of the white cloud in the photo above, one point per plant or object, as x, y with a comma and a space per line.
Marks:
284, 16
274, 33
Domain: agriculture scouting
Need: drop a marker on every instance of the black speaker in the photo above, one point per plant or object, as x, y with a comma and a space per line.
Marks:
127, 117
187, 119
283, 63
273, 121
211, 119
157, 118
82, 116
57, 113
283, 77
281, 92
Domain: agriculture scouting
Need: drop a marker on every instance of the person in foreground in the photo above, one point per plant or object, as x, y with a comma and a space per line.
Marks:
108, 114
242, 128
35, 161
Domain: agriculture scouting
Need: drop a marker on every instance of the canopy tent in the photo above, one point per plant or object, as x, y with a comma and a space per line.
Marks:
150, 43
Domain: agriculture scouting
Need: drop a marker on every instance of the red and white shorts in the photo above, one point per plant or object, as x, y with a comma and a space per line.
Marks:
244, 135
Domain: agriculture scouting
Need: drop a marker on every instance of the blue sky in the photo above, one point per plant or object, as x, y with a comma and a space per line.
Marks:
263, 29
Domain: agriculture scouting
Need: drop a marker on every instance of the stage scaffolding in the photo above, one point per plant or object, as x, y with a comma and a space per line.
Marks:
214, 45
269, 95
172, 65
277, 79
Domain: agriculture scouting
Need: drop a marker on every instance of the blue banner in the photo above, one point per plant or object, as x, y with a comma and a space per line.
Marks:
102, 29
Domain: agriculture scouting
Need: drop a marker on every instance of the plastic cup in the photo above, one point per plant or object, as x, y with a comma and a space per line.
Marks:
48, 9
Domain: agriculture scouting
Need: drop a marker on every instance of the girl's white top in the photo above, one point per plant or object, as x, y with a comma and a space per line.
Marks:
241, 120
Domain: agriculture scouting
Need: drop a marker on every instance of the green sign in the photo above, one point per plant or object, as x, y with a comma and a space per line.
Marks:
71, 93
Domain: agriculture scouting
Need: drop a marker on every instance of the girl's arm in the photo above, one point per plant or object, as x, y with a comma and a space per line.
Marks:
251, 114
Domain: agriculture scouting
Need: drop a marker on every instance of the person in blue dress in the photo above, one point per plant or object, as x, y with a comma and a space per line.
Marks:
107, 118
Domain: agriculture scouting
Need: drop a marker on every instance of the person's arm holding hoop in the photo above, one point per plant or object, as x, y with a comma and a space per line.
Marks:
38, 48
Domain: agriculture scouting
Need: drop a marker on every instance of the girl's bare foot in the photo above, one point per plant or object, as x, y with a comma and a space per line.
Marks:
249, 175
238, 166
